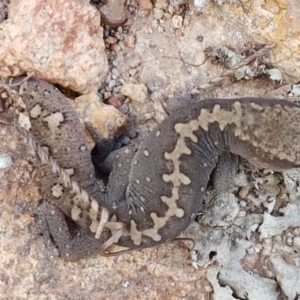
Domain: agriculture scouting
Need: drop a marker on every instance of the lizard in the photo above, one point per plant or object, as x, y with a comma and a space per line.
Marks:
155, 190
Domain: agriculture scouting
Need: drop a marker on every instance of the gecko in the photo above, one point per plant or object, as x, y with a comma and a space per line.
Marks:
155, 189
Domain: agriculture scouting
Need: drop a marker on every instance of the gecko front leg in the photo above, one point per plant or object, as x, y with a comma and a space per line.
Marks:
65, 173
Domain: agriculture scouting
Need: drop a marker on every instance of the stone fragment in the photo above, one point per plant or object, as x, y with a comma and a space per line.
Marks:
90, 109
135, 91
59, 41
114, 12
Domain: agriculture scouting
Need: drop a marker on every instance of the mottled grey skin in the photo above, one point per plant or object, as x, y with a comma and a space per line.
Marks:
157, 190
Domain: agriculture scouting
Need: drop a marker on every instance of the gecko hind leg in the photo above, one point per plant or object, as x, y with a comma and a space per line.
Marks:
53, 226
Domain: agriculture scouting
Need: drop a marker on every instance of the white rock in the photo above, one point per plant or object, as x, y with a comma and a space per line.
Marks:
5, 161
287, 276
275, 225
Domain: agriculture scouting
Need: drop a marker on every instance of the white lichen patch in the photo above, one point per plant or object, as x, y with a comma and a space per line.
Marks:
224, 210
211, 244
220, 292
245, 284
287, 276
272, 226
239, 240
292, 183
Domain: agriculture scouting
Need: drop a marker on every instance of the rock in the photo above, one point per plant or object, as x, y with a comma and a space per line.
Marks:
114, 12
59, 41
134, 91
90, 109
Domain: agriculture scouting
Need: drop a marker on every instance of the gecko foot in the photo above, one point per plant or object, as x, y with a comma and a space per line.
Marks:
41, 226
57, 237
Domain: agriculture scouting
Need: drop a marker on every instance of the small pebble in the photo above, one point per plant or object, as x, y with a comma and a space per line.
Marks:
178, 32
130, 41
111, 40
186, 21
115, 72
244, 191
124, 108
116, 89
115, 63
106, 33
115, 47
146, 4
121, 45
161, 4
5, 161
134, 61
296, 242
171, 9
108, 78
149, 30
107, 95
114, 101
111, 84
177, 21
158, 13
289, 241
161, 29
132, 72
154, 23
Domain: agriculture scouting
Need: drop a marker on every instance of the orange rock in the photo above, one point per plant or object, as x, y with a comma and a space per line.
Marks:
59, 41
